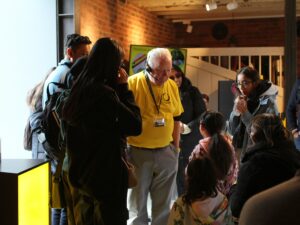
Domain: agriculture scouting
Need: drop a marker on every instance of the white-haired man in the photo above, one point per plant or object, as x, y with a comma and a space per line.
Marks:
155, 152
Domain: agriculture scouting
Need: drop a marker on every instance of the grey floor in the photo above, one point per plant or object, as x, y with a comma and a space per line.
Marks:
149, 204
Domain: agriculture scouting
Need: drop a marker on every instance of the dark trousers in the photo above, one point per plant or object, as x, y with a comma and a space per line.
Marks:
180, 178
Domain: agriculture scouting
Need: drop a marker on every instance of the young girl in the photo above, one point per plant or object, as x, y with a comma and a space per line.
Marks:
217, 147
202, 203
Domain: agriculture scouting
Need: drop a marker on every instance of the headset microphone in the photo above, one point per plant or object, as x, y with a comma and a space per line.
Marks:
153, 76
149, 70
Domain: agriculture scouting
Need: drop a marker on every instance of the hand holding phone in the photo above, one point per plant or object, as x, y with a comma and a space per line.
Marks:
235, 90
122, 76
241, 104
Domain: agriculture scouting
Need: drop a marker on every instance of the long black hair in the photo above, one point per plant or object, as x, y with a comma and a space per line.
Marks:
219, 149
101, 68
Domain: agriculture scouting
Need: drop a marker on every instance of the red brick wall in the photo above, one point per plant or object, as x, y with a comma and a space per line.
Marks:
126, 23
247, 33
129, 24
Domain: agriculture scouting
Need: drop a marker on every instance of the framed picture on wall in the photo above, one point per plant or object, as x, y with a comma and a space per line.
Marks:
138, 56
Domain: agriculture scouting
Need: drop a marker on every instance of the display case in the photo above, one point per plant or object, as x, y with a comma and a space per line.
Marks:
24, 192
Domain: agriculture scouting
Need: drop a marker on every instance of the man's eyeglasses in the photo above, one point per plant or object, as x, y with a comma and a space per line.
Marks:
158, 71
244, 83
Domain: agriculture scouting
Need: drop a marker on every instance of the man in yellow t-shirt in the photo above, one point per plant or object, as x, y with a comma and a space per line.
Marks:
155, 152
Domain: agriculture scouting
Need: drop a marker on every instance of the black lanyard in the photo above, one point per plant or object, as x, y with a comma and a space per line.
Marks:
151, 92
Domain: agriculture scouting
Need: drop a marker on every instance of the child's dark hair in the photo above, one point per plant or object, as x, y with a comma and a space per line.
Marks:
219, 149
221, 154
201, 180
214, 122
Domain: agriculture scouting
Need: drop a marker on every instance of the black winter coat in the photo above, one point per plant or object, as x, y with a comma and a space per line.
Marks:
95, 145
194, 106
263, 167
293, 108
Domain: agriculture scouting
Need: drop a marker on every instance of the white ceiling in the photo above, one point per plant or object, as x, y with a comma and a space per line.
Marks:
194, 10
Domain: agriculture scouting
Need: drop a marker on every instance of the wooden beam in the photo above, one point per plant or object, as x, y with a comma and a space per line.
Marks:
290, 48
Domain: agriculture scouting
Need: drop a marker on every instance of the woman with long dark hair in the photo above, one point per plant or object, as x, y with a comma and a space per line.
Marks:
271, 158
100, 112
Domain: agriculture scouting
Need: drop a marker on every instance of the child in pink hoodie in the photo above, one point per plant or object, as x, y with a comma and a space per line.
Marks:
217, 147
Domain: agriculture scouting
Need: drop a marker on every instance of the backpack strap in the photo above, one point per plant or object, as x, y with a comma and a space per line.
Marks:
66, 63
59, 85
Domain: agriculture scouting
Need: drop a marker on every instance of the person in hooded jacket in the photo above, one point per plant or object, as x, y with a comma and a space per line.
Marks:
255, 96
271, 158
193, 105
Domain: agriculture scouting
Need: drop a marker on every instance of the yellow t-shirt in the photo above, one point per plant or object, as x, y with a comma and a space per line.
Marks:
169, 103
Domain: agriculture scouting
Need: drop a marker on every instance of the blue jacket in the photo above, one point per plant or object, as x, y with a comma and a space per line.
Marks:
56, 76
292, 113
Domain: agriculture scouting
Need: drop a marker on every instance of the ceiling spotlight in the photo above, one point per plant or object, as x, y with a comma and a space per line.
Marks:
211, 5
189, 28
232, 5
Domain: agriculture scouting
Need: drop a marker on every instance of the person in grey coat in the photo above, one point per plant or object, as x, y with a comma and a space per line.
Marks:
254, 96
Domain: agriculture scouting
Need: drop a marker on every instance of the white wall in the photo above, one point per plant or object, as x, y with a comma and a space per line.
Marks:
28, 50
205, 76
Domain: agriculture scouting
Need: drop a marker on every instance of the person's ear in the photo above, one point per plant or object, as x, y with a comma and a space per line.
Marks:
70, 53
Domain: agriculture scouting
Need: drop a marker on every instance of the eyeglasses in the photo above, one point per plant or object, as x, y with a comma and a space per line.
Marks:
244, 83
177, 75
166, 71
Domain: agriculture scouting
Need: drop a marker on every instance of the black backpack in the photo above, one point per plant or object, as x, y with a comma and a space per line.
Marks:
49, 126
50, 135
